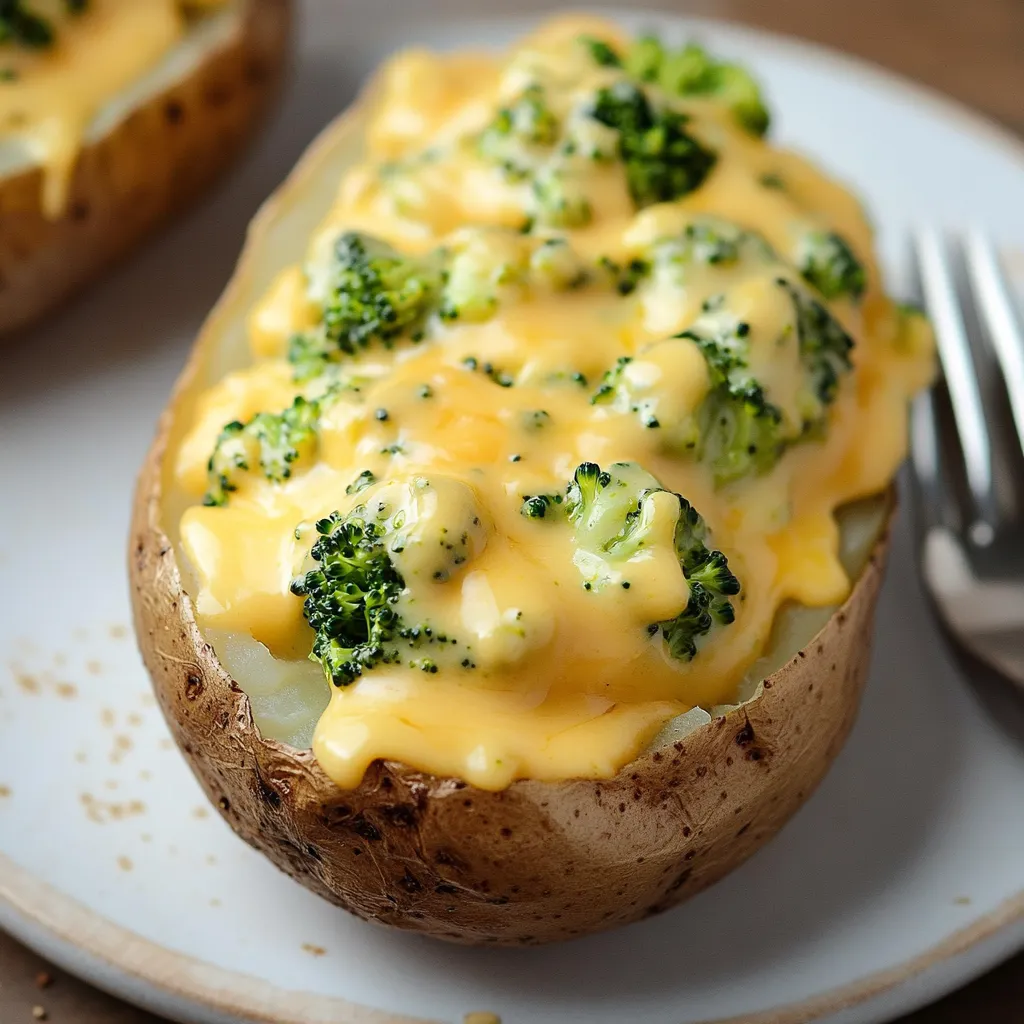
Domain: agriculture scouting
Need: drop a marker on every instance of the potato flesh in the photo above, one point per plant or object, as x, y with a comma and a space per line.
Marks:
287, 697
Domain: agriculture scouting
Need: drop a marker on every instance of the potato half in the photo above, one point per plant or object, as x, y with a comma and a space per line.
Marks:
146, 156
539, 861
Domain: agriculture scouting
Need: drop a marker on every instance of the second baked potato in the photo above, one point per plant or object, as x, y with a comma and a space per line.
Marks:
124, 156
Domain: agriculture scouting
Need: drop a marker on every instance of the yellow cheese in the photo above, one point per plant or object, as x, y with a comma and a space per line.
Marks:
49, 95
237, 397
284, 310
486, 735
527, 672
245, 561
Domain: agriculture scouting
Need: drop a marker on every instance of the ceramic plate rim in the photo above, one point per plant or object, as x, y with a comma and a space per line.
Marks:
117, 959
120, 960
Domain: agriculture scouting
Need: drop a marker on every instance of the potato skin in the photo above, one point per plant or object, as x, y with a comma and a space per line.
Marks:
537, 862
155, 162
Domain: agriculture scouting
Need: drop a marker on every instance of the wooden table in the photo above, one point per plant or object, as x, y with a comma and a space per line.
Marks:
970, 49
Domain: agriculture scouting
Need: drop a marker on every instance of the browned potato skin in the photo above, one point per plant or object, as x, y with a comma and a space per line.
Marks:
537, 862
147, 170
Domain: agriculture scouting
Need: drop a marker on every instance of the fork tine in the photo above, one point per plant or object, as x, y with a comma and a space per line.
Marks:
935, 502
996, 310
938, 284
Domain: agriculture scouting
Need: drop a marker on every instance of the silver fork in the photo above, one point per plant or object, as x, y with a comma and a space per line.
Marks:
967, 450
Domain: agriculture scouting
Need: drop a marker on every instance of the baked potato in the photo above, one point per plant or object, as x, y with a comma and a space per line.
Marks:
435, 673
111, 121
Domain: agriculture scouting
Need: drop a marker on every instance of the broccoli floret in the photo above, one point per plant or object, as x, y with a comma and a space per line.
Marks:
617, 513
711, 585
604, 509
737, 430
644, 58
556, 265
704, 241
19, 25
734, 86
601, 52
826, 261
376, 294
274, 442
356, 598
485, 266
558, 202
528, 122
663, 161
825, 349
626, 108
740, 431
474, 280
709, 242
350, 598
482, 265
311, 353
692, 71
589, 140
434, 526
713, 243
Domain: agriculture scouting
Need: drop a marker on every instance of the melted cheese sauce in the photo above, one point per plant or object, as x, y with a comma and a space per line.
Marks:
49, 96
539, 677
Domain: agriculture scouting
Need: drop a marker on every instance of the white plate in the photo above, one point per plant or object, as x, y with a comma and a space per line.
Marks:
899, 880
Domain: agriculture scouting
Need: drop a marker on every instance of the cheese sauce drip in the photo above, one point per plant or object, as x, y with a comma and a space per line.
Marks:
50, 93
582, 310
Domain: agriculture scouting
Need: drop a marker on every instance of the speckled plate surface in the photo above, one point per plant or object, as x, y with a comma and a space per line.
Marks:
899, 880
